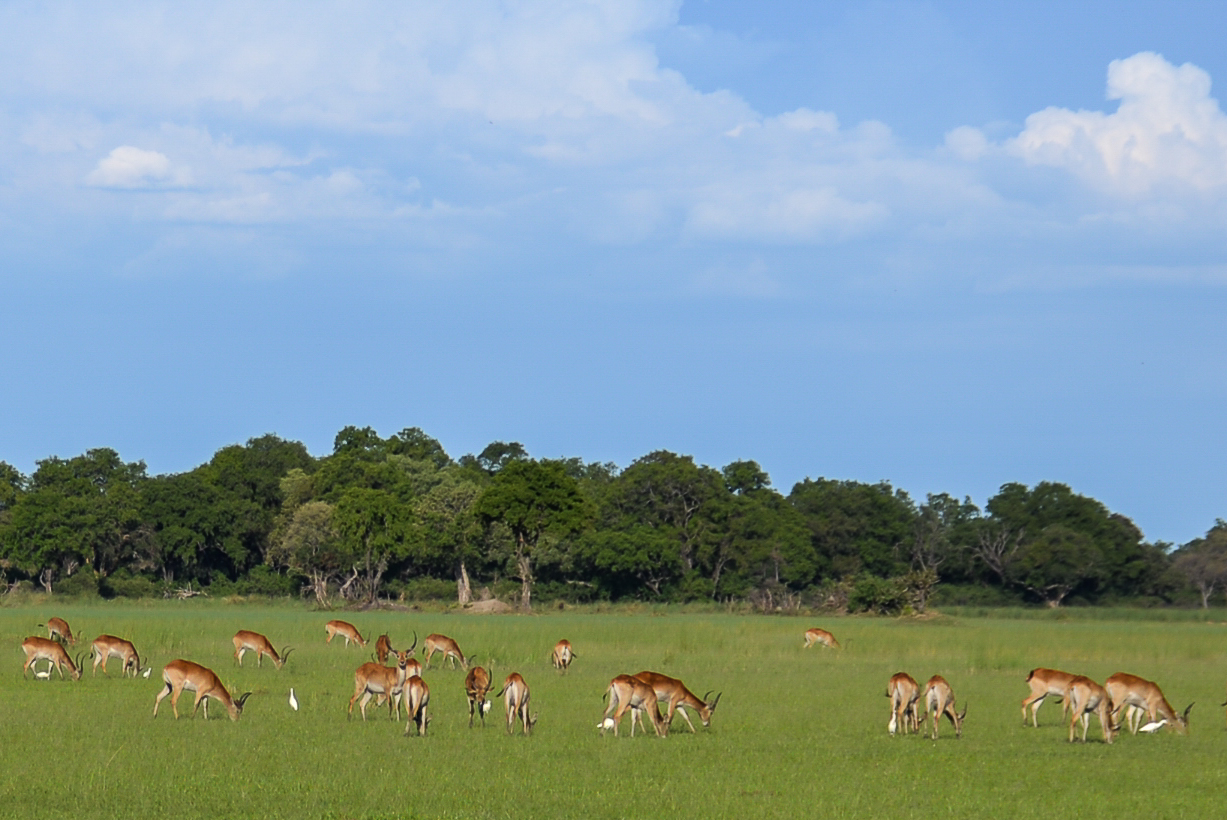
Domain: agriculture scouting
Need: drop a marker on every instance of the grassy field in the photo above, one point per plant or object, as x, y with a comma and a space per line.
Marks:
798, 732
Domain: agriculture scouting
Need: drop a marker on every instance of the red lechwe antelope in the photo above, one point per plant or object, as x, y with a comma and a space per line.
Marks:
1129, 690
630, 692
1045, 682
476, 686
373, 679
57, 629
904, 693
816, 635
444, 644
179, 675
515, 698
45, 649
1086, 697
106, 647
939, 700
416, 697
563, 655
680, 698
245, 641
346, 630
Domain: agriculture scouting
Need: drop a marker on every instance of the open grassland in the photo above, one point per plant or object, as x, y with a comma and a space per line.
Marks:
798, 733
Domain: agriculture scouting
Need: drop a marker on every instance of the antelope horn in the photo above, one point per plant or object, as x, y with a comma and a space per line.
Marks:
1187, 708
285, 653
716, 701
415, 642
242, 699
707, 695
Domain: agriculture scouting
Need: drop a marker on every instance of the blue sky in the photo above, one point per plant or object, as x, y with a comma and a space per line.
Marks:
942, 244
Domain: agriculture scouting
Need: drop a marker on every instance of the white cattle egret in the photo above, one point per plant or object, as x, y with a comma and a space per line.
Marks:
1153, 726
42, 675
293, 700
607, 723
148, 669
485, 707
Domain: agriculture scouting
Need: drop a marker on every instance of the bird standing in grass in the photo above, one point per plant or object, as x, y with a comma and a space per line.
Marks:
1153, 726
293, 700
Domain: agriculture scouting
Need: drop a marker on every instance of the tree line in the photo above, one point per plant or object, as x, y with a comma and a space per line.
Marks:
398, 517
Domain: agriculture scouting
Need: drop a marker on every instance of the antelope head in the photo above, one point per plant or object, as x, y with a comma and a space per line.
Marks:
958, 727
78, 666
706, 713
238, 705
285, 654
1182, 722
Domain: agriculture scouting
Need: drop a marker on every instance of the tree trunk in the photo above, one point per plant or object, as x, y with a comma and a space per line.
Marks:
44, 578
464, 590
319, 585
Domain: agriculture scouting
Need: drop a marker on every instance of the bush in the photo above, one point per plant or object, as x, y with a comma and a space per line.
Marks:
82, 584
124, 584
885, 596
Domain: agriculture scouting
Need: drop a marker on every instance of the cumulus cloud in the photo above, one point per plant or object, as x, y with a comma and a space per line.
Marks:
130, 167
1167, 130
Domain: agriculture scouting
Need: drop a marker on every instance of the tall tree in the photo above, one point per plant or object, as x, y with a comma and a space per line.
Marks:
1204, 561
373, 527
310, 545
856, 527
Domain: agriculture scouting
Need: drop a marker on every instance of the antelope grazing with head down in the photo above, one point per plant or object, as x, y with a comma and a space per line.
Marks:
904, 692
1045, 682
563, 655
476, 686
45, 649
1086, 697
57, 630
106, 647
515, 698
373, 679
680, 698
630, 692
346, 630
820, 636
245, 641
939, 700
179, 675
449, 648
1127, 690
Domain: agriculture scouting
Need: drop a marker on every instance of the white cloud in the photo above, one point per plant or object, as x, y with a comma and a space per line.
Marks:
1167, 130
130, 167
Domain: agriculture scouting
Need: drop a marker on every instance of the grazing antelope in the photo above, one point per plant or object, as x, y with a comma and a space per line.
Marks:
1085, 696
631, 692
373, 679
939, 700
1129, 690
45, 649
680, 698
245, 641
1045, 682
816, 635
444, 644
515, 698
179, 675
383, 648
346, 630
57, 629
563, 655
904, 692
106, 647
417, 695
476, 686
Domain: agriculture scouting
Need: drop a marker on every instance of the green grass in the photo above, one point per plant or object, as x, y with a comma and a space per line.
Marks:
798, 732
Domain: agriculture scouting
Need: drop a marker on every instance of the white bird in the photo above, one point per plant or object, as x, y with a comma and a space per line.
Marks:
607, 723
42, 675
485, 707
148, 669
293, 700
1153, 726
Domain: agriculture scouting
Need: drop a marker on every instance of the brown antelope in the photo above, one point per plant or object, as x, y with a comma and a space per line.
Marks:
179, 675
444, 644
106, 647
1130, 690
904, 692
373, 679
57, 629
631, 692
816, 635
245, 641
563, 655
346, 630
477, 685
1045, 682
383, 648
939, 700
1086, 697
417, 695
680, 698
515, 698
45, 649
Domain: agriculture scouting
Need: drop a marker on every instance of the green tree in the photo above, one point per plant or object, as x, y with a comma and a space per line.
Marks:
856, 527
373, 528
310, 545
1204, 561
449, 530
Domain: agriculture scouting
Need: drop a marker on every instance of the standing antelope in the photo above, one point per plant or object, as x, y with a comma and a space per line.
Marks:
45, 649
816, 635
939, 700
904, 692
680, 698
515, 699
57, 629
245, 641
383, 648
179, 675
563, 655
373, 679
1045, 682
1127, 690
444, 644
1085, 696
476, 686
106, 647
633, 693
417, 695
346, 630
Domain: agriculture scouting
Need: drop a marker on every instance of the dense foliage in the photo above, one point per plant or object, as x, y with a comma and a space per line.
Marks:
398, 517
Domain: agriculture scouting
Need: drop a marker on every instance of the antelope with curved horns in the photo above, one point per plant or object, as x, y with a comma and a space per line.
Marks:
106, 647
1086, 697
346, 630
563, 655
939, 700
1045, 682
1130, 690
515, 698
45, 649
179, 675
57, 629
444, 644
680, 698
384, 648
245, 641
820, 636
904, 692
477, 685
373, 679
416, 697
630, 692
